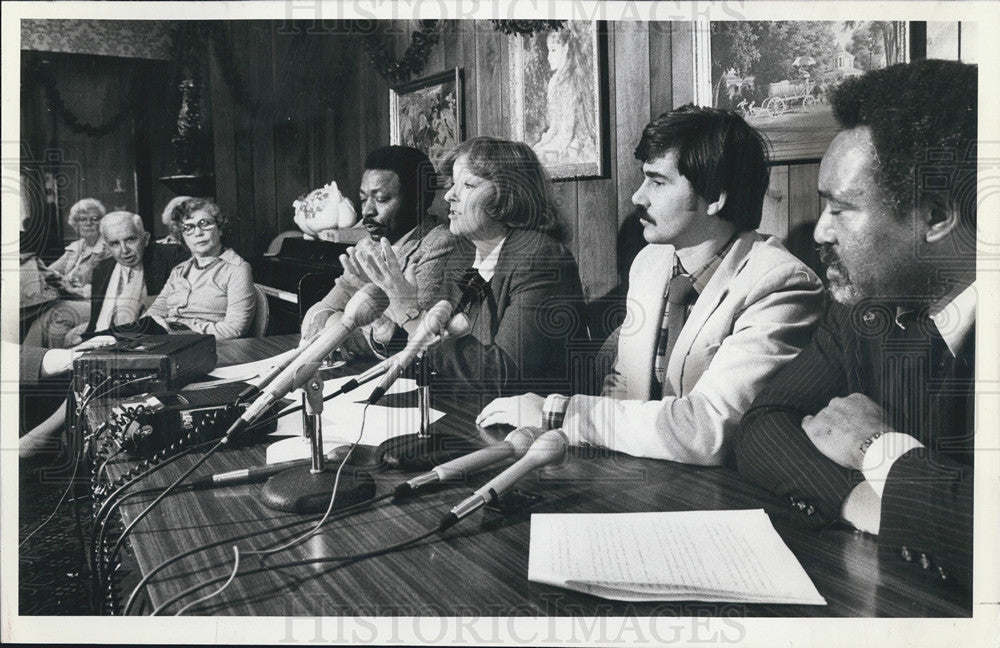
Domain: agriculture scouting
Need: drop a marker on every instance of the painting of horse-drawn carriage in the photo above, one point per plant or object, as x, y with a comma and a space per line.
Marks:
779, 75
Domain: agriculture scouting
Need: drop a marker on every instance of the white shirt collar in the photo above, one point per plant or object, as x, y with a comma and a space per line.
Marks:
487, 265
956, 318
131, 295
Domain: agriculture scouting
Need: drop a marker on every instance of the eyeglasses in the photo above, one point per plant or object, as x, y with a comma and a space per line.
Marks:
88, 219
204, 225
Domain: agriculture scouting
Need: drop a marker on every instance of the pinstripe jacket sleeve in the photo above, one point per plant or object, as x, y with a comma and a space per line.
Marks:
926, 505
770, 446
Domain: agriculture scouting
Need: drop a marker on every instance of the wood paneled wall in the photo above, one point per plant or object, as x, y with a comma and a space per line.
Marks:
277, 145
119, 167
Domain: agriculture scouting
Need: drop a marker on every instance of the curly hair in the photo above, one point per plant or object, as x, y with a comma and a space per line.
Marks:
923, 122
86, 206
187, 207
716, 151
416, 177
523, 193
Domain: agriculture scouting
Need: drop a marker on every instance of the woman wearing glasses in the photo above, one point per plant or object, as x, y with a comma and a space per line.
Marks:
72, 274
76, 266
212, 292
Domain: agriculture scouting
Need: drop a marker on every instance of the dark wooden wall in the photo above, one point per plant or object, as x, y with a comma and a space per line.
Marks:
311, 107
117, 167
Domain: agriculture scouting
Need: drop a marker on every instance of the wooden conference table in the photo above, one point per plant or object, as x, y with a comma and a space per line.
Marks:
479, 567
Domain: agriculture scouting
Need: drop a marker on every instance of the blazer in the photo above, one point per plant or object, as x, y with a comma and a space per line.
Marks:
157, 262
524, 325
755, 314
926, 509
422, 257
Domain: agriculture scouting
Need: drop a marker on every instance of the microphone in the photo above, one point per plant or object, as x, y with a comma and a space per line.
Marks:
363, 308
247, 475
548, 448
458, 326
432, 324
515, 445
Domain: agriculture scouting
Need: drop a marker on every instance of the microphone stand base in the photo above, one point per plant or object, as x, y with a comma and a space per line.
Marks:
411, 452
300, 491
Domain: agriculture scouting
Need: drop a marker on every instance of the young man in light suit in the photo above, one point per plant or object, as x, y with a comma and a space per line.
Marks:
714, 309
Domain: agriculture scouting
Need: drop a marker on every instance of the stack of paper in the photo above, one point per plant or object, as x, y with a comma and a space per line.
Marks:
690, 555
343, 415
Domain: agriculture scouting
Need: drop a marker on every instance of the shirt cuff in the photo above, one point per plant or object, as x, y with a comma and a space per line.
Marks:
882, 454
554, 411
863, 508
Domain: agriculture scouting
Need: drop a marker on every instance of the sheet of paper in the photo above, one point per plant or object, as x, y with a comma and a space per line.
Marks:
342, 416
674, 556
251, 371
342, 422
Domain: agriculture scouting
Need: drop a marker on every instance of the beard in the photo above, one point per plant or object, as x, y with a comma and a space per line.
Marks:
839, 283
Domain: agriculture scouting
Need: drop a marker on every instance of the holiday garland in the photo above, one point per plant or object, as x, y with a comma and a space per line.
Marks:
413, 59
77, 125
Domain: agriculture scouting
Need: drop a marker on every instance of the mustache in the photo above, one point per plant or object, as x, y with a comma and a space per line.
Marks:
831, 259
827, 255
641, 213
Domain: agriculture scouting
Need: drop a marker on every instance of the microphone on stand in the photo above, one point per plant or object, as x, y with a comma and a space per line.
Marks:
431, 326
458, 326
548, 448
515, 445
363, 308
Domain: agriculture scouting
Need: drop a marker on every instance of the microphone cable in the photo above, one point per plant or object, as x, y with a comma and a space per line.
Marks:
128, 529
304, 536
354, 508
298, 563
77, 427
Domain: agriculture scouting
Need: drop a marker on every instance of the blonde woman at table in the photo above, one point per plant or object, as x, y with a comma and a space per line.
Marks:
525, 300
212, 292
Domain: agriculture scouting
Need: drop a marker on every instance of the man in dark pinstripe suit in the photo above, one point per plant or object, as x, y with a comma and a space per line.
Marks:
873, 422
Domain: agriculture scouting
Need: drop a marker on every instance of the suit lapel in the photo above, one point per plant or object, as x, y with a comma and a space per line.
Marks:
707, 303
637, 342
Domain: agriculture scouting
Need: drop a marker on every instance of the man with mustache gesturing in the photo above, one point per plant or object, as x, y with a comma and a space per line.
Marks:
397, 188
873, 422
714, 309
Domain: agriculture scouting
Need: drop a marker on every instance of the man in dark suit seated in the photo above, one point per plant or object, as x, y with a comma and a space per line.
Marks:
125, 284
873, 422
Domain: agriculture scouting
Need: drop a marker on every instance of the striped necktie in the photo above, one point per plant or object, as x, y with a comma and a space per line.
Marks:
680, 294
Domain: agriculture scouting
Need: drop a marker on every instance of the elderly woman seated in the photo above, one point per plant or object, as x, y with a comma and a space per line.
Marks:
212, 292
74, 269
520, 285
72, 275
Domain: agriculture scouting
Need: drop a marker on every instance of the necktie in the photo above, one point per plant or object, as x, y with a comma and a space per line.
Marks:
679, 296
680, 293
122, 314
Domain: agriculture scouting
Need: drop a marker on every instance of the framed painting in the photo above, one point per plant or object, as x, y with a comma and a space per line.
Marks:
428, 114
780, 75
558, 98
